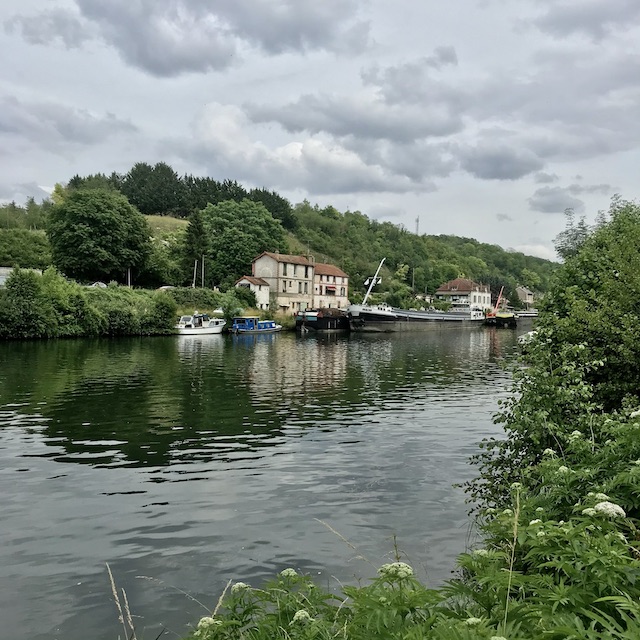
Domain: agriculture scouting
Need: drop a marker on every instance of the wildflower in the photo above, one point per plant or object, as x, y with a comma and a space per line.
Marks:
589, 512
395, 571
491, 510
536, 521
239, 586
548, 452
610, 509
507, 512
541, 534
574, 435
636, 462
302, 617
539, 510
515, 486
601, 497
497, 638
472, 622
635, 414
205, 624
563, 469
289, 573
482, 553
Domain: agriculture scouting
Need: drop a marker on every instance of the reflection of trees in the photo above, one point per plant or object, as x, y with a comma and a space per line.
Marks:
155, 401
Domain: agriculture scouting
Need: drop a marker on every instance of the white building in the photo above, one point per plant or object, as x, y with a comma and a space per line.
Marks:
463, 293
259, 286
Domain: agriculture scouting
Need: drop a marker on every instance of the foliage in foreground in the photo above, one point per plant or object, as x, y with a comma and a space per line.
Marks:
558, 500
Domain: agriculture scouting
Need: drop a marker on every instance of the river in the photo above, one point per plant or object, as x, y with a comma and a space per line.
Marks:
184, 462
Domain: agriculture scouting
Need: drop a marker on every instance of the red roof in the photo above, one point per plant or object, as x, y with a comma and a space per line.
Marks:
254, 280
322, 269
462, 285
283, 257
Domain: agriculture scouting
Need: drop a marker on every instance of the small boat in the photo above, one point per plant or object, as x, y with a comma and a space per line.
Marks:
253, 325
500, 317
199, 324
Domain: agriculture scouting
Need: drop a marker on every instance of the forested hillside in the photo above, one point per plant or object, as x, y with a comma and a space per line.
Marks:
229, 225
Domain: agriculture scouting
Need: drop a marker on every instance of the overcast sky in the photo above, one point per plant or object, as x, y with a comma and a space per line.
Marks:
480, 118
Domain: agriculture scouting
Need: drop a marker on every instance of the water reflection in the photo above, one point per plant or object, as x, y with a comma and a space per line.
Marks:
194, 459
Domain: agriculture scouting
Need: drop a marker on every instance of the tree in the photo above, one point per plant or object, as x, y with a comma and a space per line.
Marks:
568, 242
238, 232
155, 190
196, 243
97, 235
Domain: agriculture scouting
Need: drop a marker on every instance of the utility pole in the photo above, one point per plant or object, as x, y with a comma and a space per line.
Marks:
203, 270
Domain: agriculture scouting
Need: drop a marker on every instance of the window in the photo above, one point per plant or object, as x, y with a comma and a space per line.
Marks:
342, 293
299, 287
306, 287
306, 272
284, 269
259, 287
295, 269
284, 286
334, 279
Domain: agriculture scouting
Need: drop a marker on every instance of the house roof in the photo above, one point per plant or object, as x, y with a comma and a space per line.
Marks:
283, 257
323, 269
462, 285
524, 290
254, 280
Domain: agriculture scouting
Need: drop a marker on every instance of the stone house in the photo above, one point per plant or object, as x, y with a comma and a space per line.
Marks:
330, 287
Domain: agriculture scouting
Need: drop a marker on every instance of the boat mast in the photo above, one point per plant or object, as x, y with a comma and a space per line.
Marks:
373, 281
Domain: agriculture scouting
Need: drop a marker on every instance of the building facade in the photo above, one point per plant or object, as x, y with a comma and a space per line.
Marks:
330, 287
525, 295
259, 287
290, 280
463, 293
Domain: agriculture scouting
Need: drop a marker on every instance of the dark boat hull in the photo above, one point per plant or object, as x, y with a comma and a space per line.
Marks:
319, 322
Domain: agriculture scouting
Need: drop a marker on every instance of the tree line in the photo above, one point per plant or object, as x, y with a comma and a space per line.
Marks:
96, 230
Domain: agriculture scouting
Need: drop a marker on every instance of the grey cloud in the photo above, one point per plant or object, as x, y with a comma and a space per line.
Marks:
20, 192
170, 38
593, 18
54, 126
545, 178
361, 118
56, 24
498, 162
503, 217
554, 200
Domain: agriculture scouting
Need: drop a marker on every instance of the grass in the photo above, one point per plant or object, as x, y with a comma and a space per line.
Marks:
166, 224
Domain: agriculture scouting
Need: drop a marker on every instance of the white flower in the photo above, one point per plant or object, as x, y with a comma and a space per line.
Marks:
289, 573
635, 414
610, 509
302, 617
207, 622
601, 497
539, 510
239, 586
491, 510
507, 512
472, 622
482, 553
589, 512
548, 452
563, 469
536, 521
541, 534
395, 571
575, 435
636, 462
497, 638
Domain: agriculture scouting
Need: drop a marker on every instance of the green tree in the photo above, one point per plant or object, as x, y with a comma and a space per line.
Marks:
238, 232
568, 242
155, 190
96, 234
196, 244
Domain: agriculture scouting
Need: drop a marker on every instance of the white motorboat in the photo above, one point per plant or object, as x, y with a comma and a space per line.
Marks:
199, 324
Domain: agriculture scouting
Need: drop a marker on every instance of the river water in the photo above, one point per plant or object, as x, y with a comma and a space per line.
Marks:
186, 461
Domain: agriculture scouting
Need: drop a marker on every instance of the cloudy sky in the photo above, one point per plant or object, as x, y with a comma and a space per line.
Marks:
481, 118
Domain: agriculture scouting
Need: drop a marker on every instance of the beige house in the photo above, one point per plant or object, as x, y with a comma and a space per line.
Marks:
259, 286
290, 280
463, 293
330, 287
525, 295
